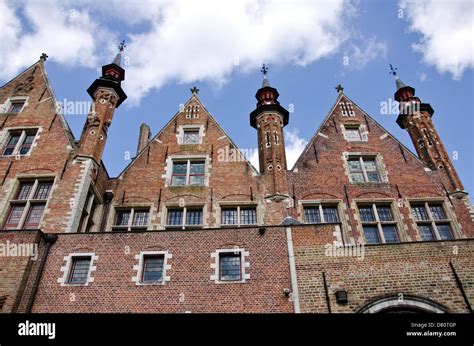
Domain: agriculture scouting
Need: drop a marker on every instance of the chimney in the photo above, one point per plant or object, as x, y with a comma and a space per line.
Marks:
144, 137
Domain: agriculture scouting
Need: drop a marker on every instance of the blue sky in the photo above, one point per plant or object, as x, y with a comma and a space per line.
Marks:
310, 48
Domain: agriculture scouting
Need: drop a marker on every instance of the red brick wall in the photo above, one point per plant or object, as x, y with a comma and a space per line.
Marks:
114, 291
420, 269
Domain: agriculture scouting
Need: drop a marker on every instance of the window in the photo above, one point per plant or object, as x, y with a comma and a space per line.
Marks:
19, 142
230, 266
16, 106
188, 173
182, 217
131, 219
153, 268
191, 136
87, 218
321, 213
238, 216
352, 133
378, 224
363, 169
79, 272
26, 209
432, 221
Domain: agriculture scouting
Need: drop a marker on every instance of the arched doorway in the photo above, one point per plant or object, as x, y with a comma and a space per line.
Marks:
403, 304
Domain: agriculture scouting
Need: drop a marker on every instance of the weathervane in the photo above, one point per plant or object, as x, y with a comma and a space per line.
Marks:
264, 70
339, 88
194, 90
393, 70
44, 56
122, 46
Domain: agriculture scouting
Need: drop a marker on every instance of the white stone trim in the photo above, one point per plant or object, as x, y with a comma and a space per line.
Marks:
183, 128
138, 268
244, 264
66, 268
406, 302
8, 103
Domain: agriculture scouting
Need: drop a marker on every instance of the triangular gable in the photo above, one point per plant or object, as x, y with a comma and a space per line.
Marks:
171, 121
40, 64
328, 116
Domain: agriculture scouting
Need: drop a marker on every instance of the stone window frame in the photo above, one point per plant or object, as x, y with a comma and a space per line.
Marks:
130, 227
7, 106
7, 133
183, 128
67, 267
193, 157
379, 162
361, 129
238, 205
138, 268
244, 265
29, 201
395, 214
454, 225
184, 226
320, 203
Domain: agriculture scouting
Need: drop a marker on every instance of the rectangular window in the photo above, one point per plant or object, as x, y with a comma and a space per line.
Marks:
183, 217
378, 223
131, 219
230, 266
153, 268
321, 214
191, 136
238, 216
19, 142
188, 173
87, 217
16, 106
432, 221
27, 208
363, 169
352, 133
79, 272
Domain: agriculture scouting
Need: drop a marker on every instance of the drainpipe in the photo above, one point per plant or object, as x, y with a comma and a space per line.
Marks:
461, 288
294, 284
328, 302
49, 240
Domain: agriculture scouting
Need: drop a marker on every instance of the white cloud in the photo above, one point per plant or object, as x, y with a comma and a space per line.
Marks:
69, 36
358, 56
446, 29
294, 145
172, 41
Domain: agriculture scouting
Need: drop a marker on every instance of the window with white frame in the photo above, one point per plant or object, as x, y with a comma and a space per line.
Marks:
131, 219
184, 217
363, 169
19, 142
352, 133
79, 272
87, 217
188, 172
153, 266
432, 220
191, 136
238, 215
378, 223
27, 207
16, 106
321, 213
230, 265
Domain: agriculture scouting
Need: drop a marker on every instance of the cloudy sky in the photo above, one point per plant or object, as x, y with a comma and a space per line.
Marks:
219, 46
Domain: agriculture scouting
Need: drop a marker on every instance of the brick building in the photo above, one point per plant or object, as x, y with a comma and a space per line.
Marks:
359, 224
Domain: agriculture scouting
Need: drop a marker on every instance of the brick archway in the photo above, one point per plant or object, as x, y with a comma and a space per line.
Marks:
409, 304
